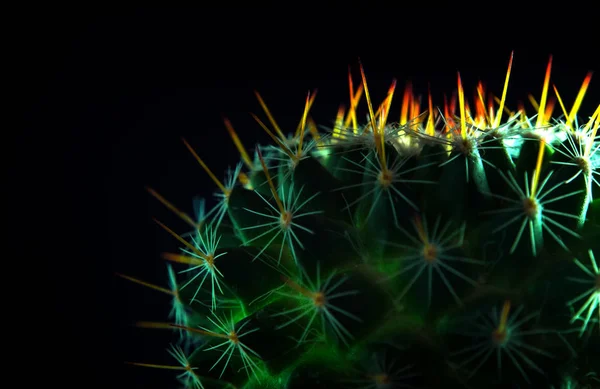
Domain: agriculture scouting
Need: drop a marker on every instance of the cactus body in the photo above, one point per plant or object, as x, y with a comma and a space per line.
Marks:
455, 248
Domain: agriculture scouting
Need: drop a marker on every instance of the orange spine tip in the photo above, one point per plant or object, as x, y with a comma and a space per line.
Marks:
504, 91
157, 366
184, 259
279, 143
542, 106
579, 99
562, 105
154, 325
269, 116
388, 103
180, 239
238, 144
461, 104
205, 167
351, 118
303, 125
182, 215
368, 97
406, 103
311, 100
430, 130
146, 284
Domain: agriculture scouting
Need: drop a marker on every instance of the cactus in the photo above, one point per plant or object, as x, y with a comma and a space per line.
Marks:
457, 247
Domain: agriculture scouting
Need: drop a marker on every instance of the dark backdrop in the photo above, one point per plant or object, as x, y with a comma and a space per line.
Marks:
107, 94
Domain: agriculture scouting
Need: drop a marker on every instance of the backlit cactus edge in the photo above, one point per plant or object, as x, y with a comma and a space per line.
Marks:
457, 247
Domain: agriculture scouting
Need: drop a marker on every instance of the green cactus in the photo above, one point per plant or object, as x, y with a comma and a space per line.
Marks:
450, 249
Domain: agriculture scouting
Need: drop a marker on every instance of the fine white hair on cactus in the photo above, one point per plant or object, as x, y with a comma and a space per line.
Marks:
178, 311
231, 179
591, 295
315, 301
530, 207
282, 159
430, 251
206, 243
581, 156
220, 209
189, 378
290, 150
382, 372
467, 146
199, 207
216, 302
361, 139
383, 180
502, 333
233, 343
282, 220
225, 329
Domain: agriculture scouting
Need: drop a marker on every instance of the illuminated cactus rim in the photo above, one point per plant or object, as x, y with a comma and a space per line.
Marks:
455, 247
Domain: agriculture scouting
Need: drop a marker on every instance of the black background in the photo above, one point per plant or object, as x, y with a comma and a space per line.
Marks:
104, 96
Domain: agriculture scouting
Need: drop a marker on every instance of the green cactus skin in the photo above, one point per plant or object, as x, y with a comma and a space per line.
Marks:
445, 250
